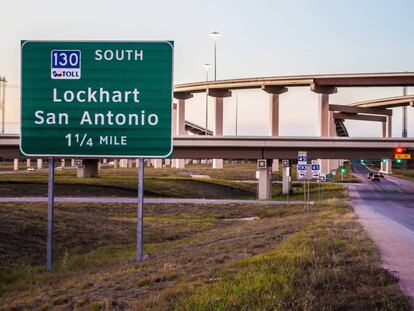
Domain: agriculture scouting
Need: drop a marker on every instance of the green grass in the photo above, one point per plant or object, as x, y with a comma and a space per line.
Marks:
123, 183
199, 258
330, 265
405, 174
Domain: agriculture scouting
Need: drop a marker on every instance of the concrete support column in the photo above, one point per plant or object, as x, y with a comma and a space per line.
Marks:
264, 184
286, 180
62, 163
88, 169
275, 165
157, 163
28, 163
167, 162
179, 116
39, 164
16, 164
388, 163
326, 120
218, 128
389, 126
274, 117
72, 162
388, 166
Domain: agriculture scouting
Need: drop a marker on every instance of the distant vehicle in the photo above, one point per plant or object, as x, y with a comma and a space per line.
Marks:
376, 178
381, 175
30, 169
370, 175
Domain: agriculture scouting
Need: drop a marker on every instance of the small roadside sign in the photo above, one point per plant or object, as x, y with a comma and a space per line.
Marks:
261, 163
285, 163
322, 177
403, 156
316, 169
302, 157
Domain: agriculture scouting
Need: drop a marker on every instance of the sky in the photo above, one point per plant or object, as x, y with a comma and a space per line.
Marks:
259, 38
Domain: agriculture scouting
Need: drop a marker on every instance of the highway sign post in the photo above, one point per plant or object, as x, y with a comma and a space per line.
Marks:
93, 99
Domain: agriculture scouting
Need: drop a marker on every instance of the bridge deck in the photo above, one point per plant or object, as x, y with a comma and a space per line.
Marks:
253, 147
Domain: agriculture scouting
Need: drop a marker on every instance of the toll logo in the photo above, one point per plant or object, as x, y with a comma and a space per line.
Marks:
65, 64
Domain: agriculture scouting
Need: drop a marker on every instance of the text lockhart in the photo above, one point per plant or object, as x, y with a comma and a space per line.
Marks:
91, 95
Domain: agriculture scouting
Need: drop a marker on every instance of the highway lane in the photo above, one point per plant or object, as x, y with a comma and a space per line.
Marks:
386, 210
391, 197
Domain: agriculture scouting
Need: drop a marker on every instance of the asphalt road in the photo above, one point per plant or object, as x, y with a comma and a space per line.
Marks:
386, 210
391, 197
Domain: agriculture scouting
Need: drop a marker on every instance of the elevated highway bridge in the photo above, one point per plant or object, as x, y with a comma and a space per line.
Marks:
251, 147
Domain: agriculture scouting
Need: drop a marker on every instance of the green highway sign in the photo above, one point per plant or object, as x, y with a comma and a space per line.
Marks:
96, 98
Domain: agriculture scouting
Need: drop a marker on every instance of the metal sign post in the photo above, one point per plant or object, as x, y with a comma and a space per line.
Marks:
140, 212
50, 203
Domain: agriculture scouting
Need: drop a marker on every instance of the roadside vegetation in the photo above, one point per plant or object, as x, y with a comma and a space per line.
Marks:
405, 174
229, 183
199, 257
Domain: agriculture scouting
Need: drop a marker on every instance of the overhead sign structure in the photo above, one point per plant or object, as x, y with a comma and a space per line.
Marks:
96, 98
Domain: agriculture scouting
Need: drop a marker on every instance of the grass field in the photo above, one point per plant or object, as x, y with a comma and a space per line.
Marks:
164, 182
406, 174
199, 258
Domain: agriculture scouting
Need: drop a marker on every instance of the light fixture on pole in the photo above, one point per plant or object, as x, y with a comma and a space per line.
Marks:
207, 67
215, 35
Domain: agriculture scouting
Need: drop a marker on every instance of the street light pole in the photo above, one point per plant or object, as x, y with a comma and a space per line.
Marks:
237, 110
215, 35
3, 103
207, 66
404, 115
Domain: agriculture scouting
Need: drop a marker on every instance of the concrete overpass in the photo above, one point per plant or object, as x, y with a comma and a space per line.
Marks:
251, 147
323, 85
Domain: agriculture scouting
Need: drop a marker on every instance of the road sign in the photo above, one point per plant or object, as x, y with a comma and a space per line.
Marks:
302, 157
261, 163
96, 98
403, 156
285, 163
301, 171
316, 169
322, 177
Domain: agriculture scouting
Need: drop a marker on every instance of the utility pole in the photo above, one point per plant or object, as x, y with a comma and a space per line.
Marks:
237, 110
404, 115
3, 103
215, 35
207, 67
404, 124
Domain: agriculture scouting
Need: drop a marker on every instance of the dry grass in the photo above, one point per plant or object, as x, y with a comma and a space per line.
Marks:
290, 258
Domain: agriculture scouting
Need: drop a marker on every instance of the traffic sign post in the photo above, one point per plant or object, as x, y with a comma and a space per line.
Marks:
93, 99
